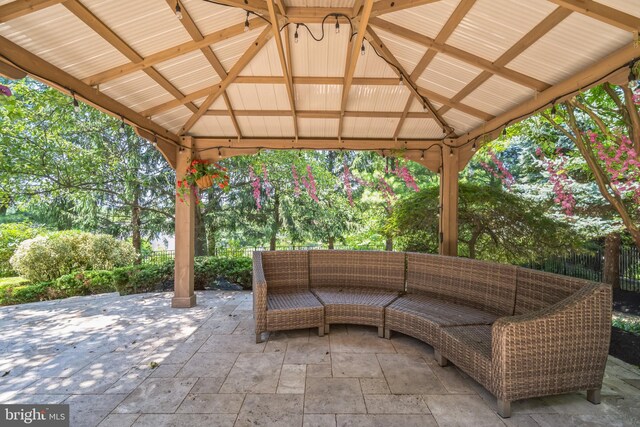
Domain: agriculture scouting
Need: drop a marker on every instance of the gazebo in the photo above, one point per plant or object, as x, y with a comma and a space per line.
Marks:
430, 79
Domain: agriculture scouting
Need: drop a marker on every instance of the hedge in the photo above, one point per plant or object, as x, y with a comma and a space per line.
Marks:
129, 280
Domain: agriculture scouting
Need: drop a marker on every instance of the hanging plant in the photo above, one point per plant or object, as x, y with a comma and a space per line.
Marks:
203, 174
5, 91
255, 183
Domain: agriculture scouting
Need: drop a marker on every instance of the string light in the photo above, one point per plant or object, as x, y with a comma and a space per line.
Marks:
122, 125
553, 110
295, 36
504, 131
362, 51
246, 23
337, 25
178, 10
219, 152
474, 147
450, 151
632, 74
155, 141
401, 78
422, 155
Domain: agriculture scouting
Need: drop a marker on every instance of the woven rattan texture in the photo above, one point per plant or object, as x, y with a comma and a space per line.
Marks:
537, 289
440, 312
555, 350
286, 270
469, 348
259, 294
487, 286
361, 306
364, 269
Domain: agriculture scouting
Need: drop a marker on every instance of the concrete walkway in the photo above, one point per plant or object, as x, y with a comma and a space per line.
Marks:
123, 361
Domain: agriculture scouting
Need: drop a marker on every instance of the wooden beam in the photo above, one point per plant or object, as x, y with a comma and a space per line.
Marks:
47, 73
357, 5
283, 64
11, 72
546, 25
602, 13
316, 143
366, 81
196, 35
258, 6
388, 6
315, 15
201, 43
461, 55
449, 27
399, 69
219, 89
594, 75
352, 59
168, 150
281, 7
19, 8
319, 114
112, 38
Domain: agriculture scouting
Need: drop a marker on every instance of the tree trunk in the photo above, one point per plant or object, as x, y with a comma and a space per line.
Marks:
612, 260
472, 244
275, 227
389, 244
201, 234
136, 222
331, 241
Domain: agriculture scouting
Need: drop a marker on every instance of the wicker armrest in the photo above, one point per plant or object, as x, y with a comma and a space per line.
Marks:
558, 349
259, 294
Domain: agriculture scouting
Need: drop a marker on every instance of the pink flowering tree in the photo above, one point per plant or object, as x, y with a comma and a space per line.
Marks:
496, 168
559, 178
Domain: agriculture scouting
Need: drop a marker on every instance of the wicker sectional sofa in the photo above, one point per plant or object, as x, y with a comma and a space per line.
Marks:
520, 333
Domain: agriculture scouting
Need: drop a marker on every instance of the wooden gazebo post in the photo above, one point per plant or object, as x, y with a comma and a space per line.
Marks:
184, 296
449, 202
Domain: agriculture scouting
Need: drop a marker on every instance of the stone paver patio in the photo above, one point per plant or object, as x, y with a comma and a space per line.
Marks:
95, 353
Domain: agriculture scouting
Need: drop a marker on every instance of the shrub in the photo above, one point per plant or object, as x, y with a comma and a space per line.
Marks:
85, 283
11, 235
236, 270
46, 258
143, 278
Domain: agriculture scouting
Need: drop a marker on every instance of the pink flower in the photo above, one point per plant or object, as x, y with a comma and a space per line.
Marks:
255, 183
4, 90
296, 183
347, 183
311, 188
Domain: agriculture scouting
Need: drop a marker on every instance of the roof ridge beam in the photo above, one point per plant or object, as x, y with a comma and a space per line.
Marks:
461, 55
546, 25
283, 63
19, 8
602, 13
317, 114
449, 27
172, 52
217, 90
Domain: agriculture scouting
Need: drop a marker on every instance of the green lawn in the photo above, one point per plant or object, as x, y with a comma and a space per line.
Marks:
14, 281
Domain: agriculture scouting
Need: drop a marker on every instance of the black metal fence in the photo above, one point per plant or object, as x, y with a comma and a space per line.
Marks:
584, 265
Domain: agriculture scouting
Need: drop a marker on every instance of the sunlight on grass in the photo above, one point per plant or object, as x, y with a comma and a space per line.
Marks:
14, 281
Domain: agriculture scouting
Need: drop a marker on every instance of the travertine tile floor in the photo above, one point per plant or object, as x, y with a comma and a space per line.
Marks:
95, 353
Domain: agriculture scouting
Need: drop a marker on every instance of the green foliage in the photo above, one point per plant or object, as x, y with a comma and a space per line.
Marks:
236, 270
85, 283
45, 258
11, 235
494, 225
627, 323
13, 281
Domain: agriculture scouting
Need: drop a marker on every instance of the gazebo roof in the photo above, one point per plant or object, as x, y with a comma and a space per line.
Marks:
468, 67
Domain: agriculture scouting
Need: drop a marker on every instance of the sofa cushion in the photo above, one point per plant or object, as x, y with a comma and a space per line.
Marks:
365, 269
536, 290
469, 348
484, 285
440, 312
286, 270
355, 296
292, 300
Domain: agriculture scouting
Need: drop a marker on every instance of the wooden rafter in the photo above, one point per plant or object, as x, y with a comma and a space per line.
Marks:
19, 8
216, 91
11, 72
388, 6
173, 52
318, 114
461, 55
363, 81
283, 63
409, 84
581, 81
112, 38
257, 6
196, 35
66, 83
449, 27
546, 25
602, 13
357, 5
352, 59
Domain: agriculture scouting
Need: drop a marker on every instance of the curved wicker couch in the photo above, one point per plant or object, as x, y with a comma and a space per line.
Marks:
518, 332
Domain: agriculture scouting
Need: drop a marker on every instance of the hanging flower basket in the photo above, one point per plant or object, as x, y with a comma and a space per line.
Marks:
203, 174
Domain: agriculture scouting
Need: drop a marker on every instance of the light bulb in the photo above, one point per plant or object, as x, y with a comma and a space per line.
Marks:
122, 126
474, 148
246, 23
422, 155
337, 26
76, 104
295, 36
362, 51
178, 10
451, 152
401, 80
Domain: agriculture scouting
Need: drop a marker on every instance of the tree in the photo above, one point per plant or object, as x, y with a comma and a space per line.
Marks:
494, 225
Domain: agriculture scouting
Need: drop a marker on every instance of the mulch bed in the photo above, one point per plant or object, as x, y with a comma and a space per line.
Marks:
625, 345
